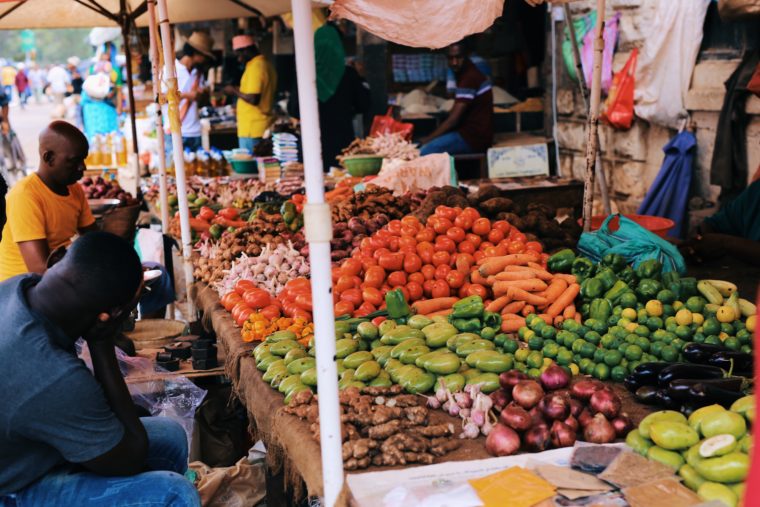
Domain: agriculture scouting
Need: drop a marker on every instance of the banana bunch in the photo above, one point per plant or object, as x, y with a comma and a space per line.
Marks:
723, 298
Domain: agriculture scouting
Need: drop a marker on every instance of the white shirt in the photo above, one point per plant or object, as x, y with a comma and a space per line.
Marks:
58, 79
36, 78
191, 125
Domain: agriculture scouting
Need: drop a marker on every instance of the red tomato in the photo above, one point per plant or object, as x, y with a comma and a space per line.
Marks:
456, 234
240, 307
372, 295
490, 251
501, 249
467, 247
481, 226
391, 261
440, 289
353, 296
380, 251
415, 290
427, 287
368, 262
425, 250
516, 247
441, 271
397, 278
486, 244
335, 272
464, 262
405, 292
394, 227
365, 244
257, 298
478, 255
343, 308
501, 225
446, 212
304, 302
472, 213
378, 320
365, 309
351, 266
374, 277
393, 244
244, 285
243, 316
412, 263
462, 293
535, 246
516, 235
377, 241
230, 299
416, 277
428, 271
271, 312
406, 242
425, 234
440, 258
408, 230
475, 289
345, 282
445, 244
474, 239
495, 236
206, 214
442, 225
464, 221
455, 279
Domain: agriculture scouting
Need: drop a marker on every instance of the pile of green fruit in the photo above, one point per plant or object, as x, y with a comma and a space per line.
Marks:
709, 450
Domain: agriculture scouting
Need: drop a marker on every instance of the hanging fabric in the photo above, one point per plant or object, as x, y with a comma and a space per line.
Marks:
667, 60
587, 52
582, 27
669, 194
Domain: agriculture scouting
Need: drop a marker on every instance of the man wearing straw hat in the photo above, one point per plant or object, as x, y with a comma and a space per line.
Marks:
256, 92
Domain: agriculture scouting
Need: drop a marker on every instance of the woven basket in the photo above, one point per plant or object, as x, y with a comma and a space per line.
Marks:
122, 221
155, 333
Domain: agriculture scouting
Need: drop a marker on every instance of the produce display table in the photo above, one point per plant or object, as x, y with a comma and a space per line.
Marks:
553, 191
289, 440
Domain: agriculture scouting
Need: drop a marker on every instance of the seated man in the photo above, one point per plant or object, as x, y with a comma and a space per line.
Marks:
69, 437
734, 230
469, 126
47, 208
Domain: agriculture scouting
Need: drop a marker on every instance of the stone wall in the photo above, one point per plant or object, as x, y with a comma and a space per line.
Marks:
632, 159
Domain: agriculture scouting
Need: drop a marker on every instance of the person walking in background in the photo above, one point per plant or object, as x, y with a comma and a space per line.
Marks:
8, 79
36, 82
59, 81
22, 85
100, 97
255, 94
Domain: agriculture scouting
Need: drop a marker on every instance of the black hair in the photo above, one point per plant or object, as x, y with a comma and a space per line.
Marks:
464, 44
188, 50
105, 269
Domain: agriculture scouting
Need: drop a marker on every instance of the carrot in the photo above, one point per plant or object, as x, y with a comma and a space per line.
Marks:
513, 307
565, 299
532, 285
493, 265
555, 290
568, 278
497, 304
509, 316
477, 277
558, 320
433, 305
546, 318
527, 310
511, 276
541, 274
577, 317
569, 312
444, 313
519, 294
512, 325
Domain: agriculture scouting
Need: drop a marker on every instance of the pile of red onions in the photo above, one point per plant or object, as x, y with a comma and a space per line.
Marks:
550, 413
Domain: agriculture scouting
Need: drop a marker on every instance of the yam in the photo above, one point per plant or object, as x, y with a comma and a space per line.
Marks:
495, 205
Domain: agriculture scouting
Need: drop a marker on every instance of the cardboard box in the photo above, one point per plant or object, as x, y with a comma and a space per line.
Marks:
519, 156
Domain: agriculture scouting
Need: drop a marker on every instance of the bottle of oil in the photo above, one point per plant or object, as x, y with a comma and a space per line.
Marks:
121, 150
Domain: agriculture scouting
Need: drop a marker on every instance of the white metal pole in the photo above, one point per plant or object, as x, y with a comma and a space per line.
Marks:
155, 60
172, 95
318, 228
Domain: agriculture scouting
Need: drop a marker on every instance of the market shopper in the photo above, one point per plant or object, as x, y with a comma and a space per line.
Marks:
47, 208
22, 86
469, 126
71, 437
255, 94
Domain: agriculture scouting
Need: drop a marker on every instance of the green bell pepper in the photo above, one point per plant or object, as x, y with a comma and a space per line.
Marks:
491, 319
617, 290
471, 325
216, 231
591, 288
648, 289
688, 288
672, 281
651, 268
468, 307
616, 262
607, 276
582, 268
600, 309
396, 304
561, 262
628, 275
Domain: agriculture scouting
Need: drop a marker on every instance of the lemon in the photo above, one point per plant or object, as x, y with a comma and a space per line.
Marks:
725, 314
629, 313
574, 369
684, 317
698, 318
751, 323
677, 305
654, 308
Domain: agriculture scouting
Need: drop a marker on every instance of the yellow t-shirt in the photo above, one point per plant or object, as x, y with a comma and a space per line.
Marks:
36, 212
259, 78
8, 75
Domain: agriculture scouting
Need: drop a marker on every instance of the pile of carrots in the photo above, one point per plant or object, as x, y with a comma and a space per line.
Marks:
520, 287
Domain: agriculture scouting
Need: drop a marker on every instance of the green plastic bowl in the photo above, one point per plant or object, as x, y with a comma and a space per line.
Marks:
244, 166
363, 165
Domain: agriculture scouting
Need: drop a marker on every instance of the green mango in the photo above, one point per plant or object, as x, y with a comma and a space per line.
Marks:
261, 350
718, 445
469, 374
273, 368
406, 344
386, 326
673, 436
265, 361
375, 344
444, 363
455, 382
357, 358
663, 415
401, 333
342, 327
345, 346
720, 423
438, 333
301, 365
339, 366
382, 353
279, 336
421, 361
368, 331
745, 444
410, 355
473, 358
309, 377
294, 354
468, 348
288, 383
348, 374
368, 370
710, 491
278, 377
669, 458
639, 444
293, 391
419, 381
401, 375
732, 467
418, 321
344, 384
283, 347
488, 382
495, 363
381, 380
691, 478
692, 456
695, 419
458, 339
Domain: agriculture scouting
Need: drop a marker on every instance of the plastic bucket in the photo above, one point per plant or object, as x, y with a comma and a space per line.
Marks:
657, 225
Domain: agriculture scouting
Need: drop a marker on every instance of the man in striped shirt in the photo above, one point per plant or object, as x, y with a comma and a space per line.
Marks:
469, 126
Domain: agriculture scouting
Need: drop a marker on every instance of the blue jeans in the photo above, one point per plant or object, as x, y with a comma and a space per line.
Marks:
452, 143
163, 486
193, 143
248, 143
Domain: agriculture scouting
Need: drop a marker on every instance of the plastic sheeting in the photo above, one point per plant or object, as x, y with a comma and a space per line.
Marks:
669, 194
420, 23
667, 60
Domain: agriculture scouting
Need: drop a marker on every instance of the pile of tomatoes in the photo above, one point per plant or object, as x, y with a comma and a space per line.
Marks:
424, 261
293, 301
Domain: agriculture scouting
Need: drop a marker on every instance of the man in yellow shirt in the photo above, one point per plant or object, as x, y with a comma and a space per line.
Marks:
255, 94
47, 208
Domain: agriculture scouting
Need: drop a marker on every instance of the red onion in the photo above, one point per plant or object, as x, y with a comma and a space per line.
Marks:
509, 379
502, 441
605, 402
554, 377
562, 435
500, 398
585, 388
599, 431
527, 393
584, 418
572, 422
555, 407
536, 416
515, 417
537, 439
622, 425
576, 407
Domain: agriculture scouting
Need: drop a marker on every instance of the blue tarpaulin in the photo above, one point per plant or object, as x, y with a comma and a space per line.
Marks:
669, 194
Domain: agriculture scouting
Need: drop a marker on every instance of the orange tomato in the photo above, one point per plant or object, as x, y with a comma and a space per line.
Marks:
230, 299
481, 226
407, 242
471, 212
365, 309
343, 308
353, 296
464, 262
464, 221
428, 271
501, 225
391, 261
393, 244
475, 289
455, 279
412, 263
257, 298
474, 239
345, 282
535, 246
495, 236
442, 225
440, 289
467, 247
441, 271
372, 295
425, 250
397, 279
425, 234
446, 212
374, 277
490, 251
368, 262
456, 234
445, 244
351, 266
416, 277
394, 227
243, 316
271, 312
516, 247
244, 285
415, 290
408, 230
440, 258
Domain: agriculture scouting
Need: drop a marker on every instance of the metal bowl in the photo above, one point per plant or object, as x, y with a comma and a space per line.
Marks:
100, 206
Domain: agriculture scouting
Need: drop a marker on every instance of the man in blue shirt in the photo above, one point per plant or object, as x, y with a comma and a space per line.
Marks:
70, 437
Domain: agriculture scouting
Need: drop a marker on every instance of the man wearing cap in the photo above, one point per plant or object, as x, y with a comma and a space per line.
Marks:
196, 55
255, 94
